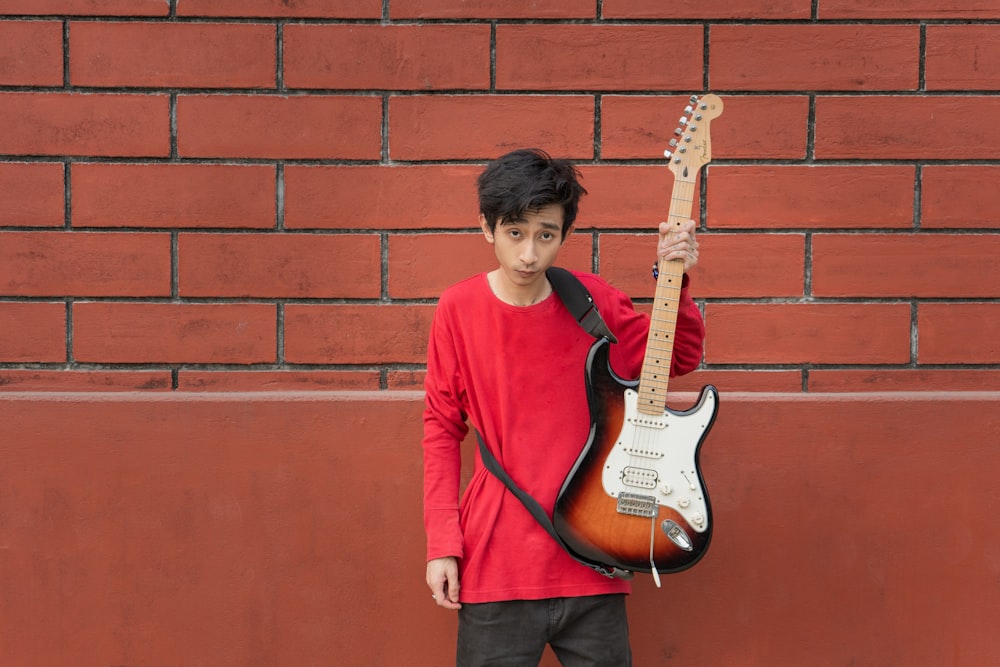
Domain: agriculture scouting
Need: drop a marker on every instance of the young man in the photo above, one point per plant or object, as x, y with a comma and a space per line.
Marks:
506, 357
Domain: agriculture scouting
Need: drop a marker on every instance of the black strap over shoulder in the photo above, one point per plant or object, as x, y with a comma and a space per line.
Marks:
578, 301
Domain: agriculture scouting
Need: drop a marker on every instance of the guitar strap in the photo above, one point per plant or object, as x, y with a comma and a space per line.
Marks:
581, 305
578, 301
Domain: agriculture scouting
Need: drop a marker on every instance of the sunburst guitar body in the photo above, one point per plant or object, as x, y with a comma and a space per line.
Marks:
635, 498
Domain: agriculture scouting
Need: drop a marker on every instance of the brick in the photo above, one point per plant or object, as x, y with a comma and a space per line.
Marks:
33, 194
322, 9
958, 333
174, 333
910, 265
300, 127
172, 55
908, 379
640, 127
807, 333
814, 57
356, 334
909, 9
625, 196
599, 57
277, 380
388, 57
958, 197
103, 125
87, 7
795, 196
32, 332
424, 265
421, 266
173, 195
724, 268
449, 127
963, 57
382, 197
488, 9
755, 380
84, 264
31, 53
707, 9
279, 265
72, 380
896, 127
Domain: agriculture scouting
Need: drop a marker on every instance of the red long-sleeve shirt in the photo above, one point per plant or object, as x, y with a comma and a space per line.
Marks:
517, 375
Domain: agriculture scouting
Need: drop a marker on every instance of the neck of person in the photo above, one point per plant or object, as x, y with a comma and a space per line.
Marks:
516, 295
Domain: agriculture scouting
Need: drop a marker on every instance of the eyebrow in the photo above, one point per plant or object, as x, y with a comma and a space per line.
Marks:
544, 223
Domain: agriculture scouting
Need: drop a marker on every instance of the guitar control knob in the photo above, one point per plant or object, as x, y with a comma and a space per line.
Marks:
698, 519
684, 502
666, 489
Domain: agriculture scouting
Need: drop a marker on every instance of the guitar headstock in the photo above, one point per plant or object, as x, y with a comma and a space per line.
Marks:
691, 147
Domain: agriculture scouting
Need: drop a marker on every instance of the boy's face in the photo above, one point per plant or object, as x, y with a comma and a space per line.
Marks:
526, 248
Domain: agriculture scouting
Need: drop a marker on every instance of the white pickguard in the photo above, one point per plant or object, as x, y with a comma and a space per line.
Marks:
654, 457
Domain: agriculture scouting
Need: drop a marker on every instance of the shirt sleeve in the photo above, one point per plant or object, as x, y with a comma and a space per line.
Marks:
444, 429
632, 330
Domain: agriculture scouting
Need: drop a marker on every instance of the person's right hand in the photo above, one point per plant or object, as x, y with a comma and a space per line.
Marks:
442, 578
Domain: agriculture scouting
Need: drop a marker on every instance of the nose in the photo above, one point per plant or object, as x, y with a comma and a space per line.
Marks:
528, 254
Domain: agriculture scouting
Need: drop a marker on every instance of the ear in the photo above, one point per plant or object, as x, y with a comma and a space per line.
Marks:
486, 228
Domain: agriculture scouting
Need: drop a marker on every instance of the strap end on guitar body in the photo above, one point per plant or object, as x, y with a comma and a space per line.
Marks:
594, 324
616, 573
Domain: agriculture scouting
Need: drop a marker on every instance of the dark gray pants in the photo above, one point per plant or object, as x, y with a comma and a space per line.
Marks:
583, 632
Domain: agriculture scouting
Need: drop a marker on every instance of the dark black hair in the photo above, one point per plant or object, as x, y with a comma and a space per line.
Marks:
527, 180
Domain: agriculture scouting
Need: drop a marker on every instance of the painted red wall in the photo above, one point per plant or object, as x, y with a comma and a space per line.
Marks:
214, 212
285, 529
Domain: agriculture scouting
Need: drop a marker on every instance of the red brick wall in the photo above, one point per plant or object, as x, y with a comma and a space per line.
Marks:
203, 196
211, 194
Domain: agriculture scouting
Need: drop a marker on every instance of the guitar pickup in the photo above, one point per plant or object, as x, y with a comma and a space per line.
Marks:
644, 478
648, 421
638, 451
636, 504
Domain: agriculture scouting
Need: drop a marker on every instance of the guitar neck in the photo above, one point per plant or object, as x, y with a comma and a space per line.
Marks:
655, 378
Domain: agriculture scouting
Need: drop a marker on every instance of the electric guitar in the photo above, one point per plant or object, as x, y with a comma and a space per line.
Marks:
635, 498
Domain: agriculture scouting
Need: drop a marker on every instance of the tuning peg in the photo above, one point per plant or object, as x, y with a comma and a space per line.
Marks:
678, 131
693, 99
683, 121
666, 154
688, 111
673, 143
